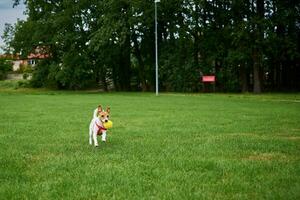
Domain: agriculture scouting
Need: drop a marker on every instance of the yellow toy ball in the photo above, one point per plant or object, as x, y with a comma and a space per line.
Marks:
108, 124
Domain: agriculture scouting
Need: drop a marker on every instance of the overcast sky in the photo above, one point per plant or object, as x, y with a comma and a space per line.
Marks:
8, 14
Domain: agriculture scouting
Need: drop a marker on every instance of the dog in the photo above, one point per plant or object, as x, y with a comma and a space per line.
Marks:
96, 126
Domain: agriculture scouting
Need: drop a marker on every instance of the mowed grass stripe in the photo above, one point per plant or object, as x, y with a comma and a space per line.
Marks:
168, 147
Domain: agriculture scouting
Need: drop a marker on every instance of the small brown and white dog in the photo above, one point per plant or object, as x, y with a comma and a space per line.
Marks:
96, 126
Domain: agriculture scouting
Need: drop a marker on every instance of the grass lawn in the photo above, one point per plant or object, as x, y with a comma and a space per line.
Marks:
175, 146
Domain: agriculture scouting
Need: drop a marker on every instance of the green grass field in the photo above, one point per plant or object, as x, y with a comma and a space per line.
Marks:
175, 146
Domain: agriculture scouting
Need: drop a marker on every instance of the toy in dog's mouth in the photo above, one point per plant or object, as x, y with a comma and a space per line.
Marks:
108, 124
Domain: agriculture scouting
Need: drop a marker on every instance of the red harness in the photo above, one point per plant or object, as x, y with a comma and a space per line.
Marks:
100, 129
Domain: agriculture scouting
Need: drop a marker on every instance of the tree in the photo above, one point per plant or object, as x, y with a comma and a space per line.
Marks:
249, 45
7, 37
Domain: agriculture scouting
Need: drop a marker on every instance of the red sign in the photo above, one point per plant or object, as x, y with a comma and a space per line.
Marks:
208, 79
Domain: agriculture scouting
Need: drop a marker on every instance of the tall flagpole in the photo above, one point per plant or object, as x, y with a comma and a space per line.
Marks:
156, 53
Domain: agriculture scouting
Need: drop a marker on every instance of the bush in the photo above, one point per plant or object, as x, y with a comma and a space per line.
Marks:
23, 84
40, 74
15, 84
2, 75
25, 76
5, 66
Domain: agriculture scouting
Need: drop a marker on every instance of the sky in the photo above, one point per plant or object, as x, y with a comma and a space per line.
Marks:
8, 14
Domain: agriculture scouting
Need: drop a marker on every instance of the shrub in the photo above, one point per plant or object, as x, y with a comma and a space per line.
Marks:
5, 66
25, 76
23, 84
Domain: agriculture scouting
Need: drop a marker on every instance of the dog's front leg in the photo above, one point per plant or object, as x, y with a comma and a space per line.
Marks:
95, 131
91, 133
103, 136
91, 138
95, 139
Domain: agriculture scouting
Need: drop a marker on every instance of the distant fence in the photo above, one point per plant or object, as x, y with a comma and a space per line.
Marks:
18, 76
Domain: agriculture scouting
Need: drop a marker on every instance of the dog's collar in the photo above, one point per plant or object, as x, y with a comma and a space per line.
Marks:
101, 128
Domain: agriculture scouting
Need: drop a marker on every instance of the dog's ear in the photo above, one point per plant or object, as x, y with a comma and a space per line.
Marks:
108, 109
100, 108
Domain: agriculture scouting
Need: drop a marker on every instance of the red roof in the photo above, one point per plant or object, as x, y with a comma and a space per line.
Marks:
37, 55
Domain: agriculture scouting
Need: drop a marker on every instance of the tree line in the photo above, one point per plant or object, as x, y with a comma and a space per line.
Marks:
250, 45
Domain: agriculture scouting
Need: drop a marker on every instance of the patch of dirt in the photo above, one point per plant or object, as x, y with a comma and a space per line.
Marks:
264, 156
270, 157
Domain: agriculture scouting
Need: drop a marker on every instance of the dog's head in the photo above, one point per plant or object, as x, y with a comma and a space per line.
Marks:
103, 115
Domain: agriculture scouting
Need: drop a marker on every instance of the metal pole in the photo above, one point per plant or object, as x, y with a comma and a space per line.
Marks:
156, 57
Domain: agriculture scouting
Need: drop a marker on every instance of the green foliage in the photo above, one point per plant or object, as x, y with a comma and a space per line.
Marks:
23, 84
8, 34
5, 66
40, 75
14, 84
178, 73
113, 41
